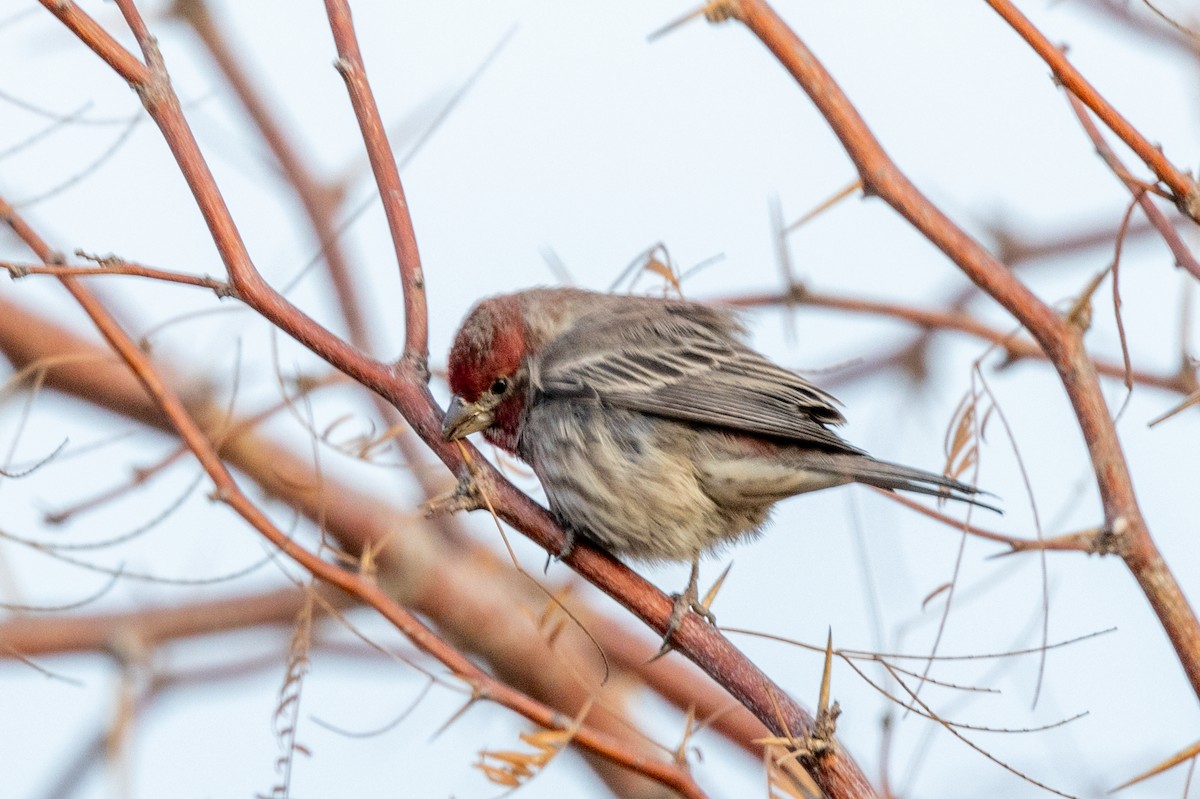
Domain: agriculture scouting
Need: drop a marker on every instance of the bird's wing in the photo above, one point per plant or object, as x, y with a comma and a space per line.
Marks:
686, 362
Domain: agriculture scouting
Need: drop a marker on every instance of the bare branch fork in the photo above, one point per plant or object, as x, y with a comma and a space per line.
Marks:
358, 586
1058, 337
404, 383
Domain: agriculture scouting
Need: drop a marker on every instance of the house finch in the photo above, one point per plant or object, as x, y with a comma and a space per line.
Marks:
654, 429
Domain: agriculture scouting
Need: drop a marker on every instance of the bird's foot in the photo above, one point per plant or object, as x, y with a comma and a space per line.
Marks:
567, 548
702, 610
465, 496
680, 605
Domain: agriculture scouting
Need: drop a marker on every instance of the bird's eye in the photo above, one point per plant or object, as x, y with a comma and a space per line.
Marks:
500, 386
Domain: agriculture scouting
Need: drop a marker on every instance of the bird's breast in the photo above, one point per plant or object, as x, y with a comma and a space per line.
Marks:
628, 481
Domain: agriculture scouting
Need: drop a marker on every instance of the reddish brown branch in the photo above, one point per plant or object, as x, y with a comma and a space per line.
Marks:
115, 267
1157, 219
1094, 541
90, 33
165, 400
1186, 194
153, 86
988, 535
319, 201
681, 684
1061, 341
455, 584
98, 632
1017, 251
1015, 347
318, 208
405, 388
387, 178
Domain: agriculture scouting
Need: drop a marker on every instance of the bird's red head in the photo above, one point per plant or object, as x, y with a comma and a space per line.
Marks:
490, 345
486, 374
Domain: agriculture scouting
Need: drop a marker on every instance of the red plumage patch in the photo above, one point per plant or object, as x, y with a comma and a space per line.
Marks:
490, 344
506, 427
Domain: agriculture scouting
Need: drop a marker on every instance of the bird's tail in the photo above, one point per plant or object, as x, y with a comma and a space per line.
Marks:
894, 477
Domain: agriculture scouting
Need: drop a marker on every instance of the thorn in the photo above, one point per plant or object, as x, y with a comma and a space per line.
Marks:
567, 548
825, 205
476, 695
1170, 763
689, 729
826, 676
711, 595
1080, 313
689, 601
714, 11
665, 649
676, 23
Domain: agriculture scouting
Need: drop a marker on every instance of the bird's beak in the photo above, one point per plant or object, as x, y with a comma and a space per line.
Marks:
463, 419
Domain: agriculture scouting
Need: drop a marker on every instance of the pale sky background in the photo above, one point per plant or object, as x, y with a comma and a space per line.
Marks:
584, 139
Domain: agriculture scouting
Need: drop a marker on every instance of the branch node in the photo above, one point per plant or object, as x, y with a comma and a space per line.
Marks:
820, 742
222, 289
128, 648
722, 11
155, 91
823, 740
1189, 204
466, 495
1079, 315
1112, 539
109, 261
796, 293
220, 494
413, 367
1011, 357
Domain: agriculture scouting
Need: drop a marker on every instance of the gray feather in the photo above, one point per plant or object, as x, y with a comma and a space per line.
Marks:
685, 362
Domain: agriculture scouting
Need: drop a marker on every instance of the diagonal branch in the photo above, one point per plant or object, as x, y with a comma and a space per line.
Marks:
318, 200
1014, 347
1185, 192
387, 178
483, 685
1061, 340
1157, 219
453, 586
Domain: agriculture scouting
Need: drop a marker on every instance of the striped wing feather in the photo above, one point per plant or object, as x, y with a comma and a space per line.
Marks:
686, 362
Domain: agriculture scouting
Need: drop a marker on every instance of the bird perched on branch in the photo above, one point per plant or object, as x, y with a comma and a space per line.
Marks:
655, 430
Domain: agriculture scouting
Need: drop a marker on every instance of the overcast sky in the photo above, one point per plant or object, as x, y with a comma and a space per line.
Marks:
583, 140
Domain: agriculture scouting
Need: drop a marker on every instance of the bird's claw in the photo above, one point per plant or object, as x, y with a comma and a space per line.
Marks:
701, 610
464, 497
567, 548
680, 605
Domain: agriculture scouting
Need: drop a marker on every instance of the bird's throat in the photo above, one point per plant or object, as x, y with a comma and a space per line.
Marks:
505, 431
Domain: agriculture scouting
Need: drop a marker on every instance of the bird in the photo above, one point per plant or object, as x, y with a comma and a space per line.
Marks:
655, 429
